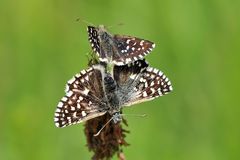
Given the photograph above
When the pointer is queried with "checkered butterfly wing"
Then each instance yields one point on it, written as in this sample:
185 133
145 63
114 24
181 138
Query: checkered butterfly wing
94 39
84 94
139 83
131 48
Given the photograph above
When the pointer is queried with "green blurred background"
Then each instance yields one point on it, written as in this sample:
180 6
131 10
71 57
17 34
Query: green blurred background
197 47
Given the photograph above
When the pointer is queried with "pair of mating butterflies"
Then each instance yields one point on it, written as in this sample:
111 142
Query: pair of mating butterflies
94 91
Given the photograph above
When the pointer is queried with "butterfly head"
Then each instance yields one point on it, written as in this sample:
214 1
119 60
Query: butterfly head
103 34
117 117
109 83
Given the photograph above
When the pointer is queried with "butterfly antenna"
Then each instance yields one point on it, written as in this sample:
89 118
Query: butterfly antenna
135 115
95 135
118 24
84 21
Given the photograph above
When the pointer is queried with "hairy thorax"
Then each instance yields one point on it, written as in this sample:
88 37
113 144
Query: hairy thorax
107 44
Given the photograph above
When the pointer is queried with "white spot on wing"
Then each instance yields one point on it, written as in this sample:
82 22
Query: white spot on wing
80 98
77 75
86 91
72 108
146 84
152 83
169 83
83 71
145 94
155 70
165 89
133 76
82 80
58 110
84 113
128 60
118 63
153 90
87 78
159 92
152 76
160 73
153 45
75 114
60 104
142 80
103 59
89 69
64 99
69 94
57 124
78 106
71 80
66 88
149 69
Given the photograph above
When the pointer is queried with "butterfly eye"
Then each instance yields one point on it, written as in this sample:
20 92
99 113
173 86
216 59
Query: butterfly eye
109 83
108 79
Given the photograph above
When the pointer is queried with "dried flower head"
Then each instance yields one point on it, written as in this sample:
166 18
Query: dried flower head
109 141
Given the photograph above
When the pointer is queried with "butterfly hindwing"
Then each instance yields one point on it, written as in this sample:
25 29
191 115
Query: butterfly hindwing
131 48
139 83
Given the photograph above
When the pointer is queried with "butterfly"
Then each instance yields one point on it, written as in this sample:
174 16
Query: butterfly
94 92
117 49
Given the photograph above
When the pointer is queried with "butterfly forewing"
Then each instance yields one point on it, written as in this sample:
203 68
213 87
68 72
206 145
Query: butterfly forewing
129 73
93 39
84 96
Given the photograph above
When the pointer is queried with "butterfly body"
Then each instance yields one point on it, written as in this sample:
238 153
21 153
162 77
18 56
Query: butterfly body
117 49
107 45
112 97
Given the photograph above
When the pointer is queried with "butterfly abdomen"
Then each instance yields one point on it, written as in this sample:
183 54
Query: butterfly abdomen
111 93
